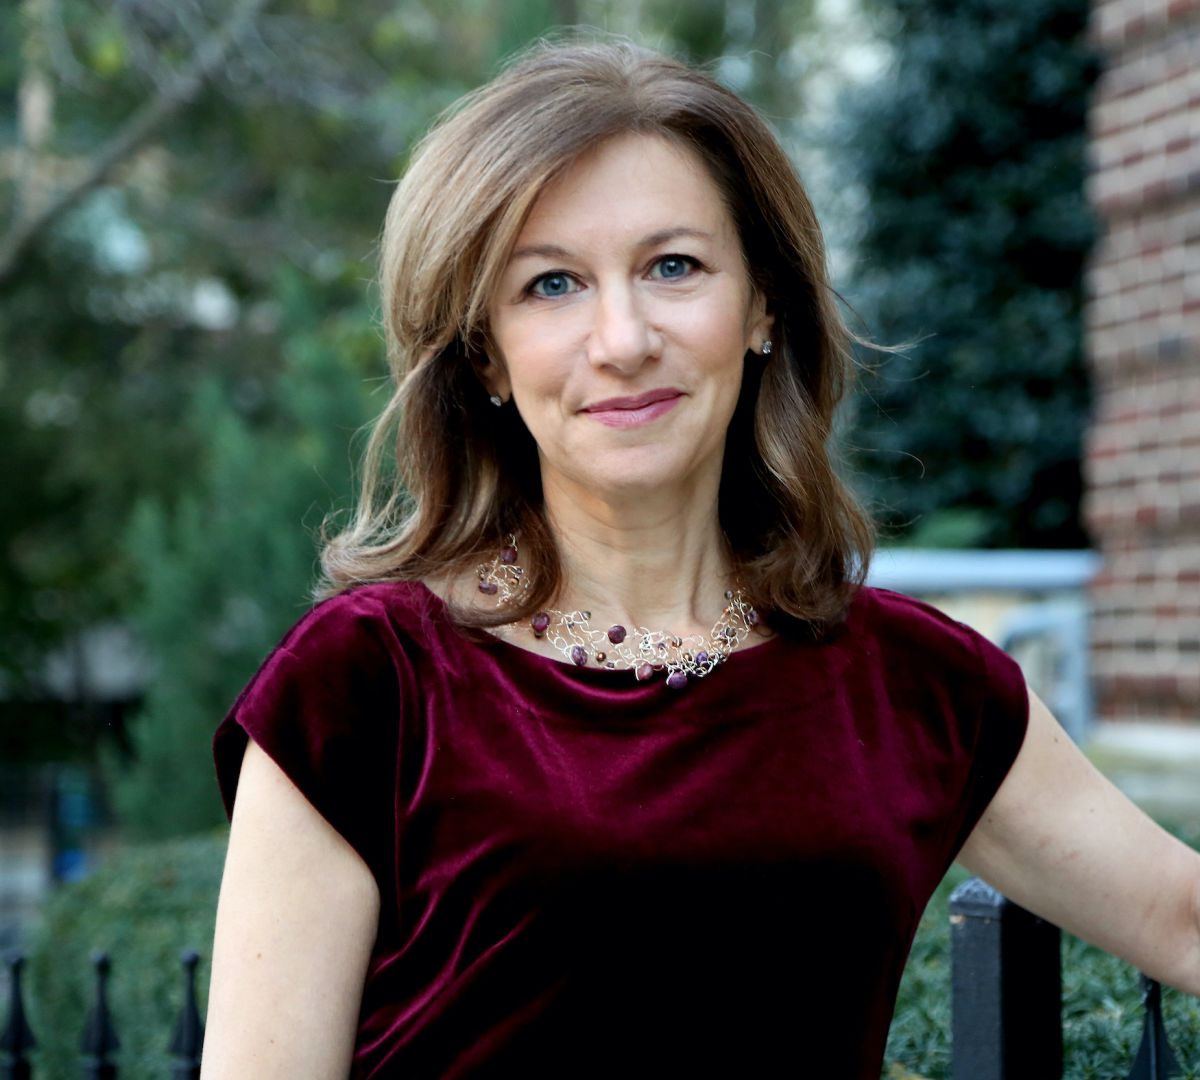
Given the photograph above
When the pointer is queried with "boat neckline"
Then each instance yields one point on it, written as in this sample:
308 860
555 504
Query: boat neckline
591 670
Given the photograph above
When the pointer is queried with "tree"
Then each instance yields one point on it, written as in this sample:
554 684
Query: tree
970 155
141 257
225 568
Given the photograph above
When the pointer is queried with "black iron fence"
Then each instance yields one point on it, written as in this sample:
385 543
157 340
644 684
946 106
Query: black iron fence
1006 984
1006 981
100 1043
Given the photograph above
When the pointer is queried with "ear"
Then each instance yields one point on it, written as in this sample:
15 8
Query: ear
760 323
492 375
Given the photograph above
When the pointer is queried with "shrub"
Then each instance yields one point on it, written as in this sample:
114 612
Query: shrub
143 906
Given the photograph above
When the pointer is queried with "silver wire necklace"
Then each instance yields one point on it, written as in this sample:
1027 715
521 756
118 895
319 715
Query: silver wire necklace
647 652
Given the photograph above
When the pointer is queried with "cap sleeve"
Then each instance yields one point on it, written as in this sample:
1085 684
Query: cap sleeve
1001 719
324 706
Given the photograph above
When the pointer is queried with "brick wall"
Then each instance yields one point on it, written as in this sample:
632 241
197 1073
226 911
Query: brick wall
1143 341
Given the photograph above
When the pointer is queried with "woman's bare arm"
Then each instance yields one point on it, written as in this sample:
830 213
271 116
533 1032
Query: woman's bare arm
1060 840
296 921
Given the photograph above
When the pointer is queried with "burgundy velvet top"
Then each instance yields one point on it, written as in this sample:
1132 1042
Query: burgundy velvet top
586 876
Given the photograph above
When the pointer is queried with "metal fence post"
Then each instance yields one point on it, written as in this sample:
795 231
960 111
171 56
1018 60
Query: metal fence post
1155 1059
17 1040
1006 975
99 1039
188 1039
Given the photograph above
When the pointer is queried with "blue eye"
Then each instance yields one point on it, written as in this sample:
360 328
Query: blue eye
556 284
676 266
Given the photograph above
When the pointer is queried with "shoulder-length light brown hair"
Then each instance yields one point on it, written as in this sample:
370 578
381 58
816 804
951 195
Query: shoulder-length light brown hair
447 476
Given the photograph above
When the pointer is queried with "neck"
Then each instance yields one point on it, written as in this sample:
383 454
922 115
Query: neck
656 563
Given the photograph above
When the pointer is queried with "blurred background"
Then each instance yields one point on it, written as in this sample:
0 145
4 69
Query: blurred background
190 197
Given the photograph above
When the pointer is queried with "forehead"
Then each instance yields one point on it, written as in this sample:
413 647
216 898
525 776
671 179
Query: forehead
630 183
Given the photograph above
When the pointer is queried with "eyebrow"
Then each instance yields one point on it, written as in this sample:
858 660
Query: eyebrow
553 251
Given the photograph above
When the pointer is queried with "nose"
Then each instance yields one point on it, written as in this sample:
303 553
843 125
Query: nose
621 336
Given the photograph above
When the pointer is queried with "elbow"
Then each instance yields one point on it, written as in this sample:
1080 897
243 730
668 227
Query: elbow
1187 978
1192 976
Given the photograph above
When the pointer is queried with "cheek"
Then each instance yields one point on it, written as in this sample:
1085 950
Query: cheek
524 352
544 349
722 319
720 340
536 374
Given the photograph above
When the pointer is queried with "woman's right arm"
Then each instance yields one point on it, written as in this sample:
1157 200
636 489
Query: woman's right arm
296 921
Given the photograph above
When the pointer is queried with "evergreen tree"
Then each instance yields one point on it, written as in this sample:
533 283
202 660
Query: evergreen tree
225 568
970 153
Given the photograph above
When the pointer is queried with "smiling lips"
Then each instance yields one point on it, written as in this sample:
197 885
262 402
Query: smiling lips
648 398
631 411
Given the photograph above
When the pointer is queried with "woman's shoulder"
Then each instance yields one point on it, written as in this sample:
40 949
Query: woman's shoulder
895 624
892 606
911 643
387 615
361 645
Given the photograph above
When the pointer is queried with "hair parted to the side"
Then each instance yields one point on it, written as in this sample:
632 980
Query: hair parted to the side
447 476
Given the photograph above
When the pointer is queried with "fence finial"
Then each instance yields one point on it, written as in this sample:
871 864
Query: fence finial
17 1039
1155 1060
188 1040
100 1041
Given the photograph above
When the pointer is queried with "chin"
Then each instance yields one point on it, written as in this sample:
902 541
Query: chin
645 479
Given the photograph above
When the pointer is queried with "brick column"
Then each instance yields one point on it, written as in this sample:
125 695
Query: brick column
1142 460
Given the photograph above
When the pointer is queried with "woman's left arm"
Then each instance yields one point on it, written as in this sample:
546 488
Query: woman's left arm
1062 841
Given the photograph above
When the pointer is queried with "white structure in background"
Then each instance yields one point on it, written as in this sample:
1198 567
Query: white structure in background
1033 604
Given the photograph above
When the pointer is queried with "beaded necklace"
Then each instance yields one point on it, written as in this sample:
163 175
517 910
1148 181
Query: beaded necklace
646 652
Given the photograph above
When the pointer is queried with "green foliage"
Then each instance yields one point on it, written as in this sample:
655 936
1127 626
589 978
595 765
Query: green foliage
970 153
225 567
168 274
143 906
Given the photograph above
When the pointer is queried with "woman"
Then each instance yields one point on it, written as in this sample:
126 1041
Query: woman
597 758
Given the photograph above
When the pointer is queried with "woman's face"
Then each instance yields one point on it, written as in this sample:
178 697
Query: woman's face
627 281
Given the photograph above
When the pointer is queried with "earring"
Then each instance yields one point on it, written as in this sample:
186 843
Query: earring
496 400
766 347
